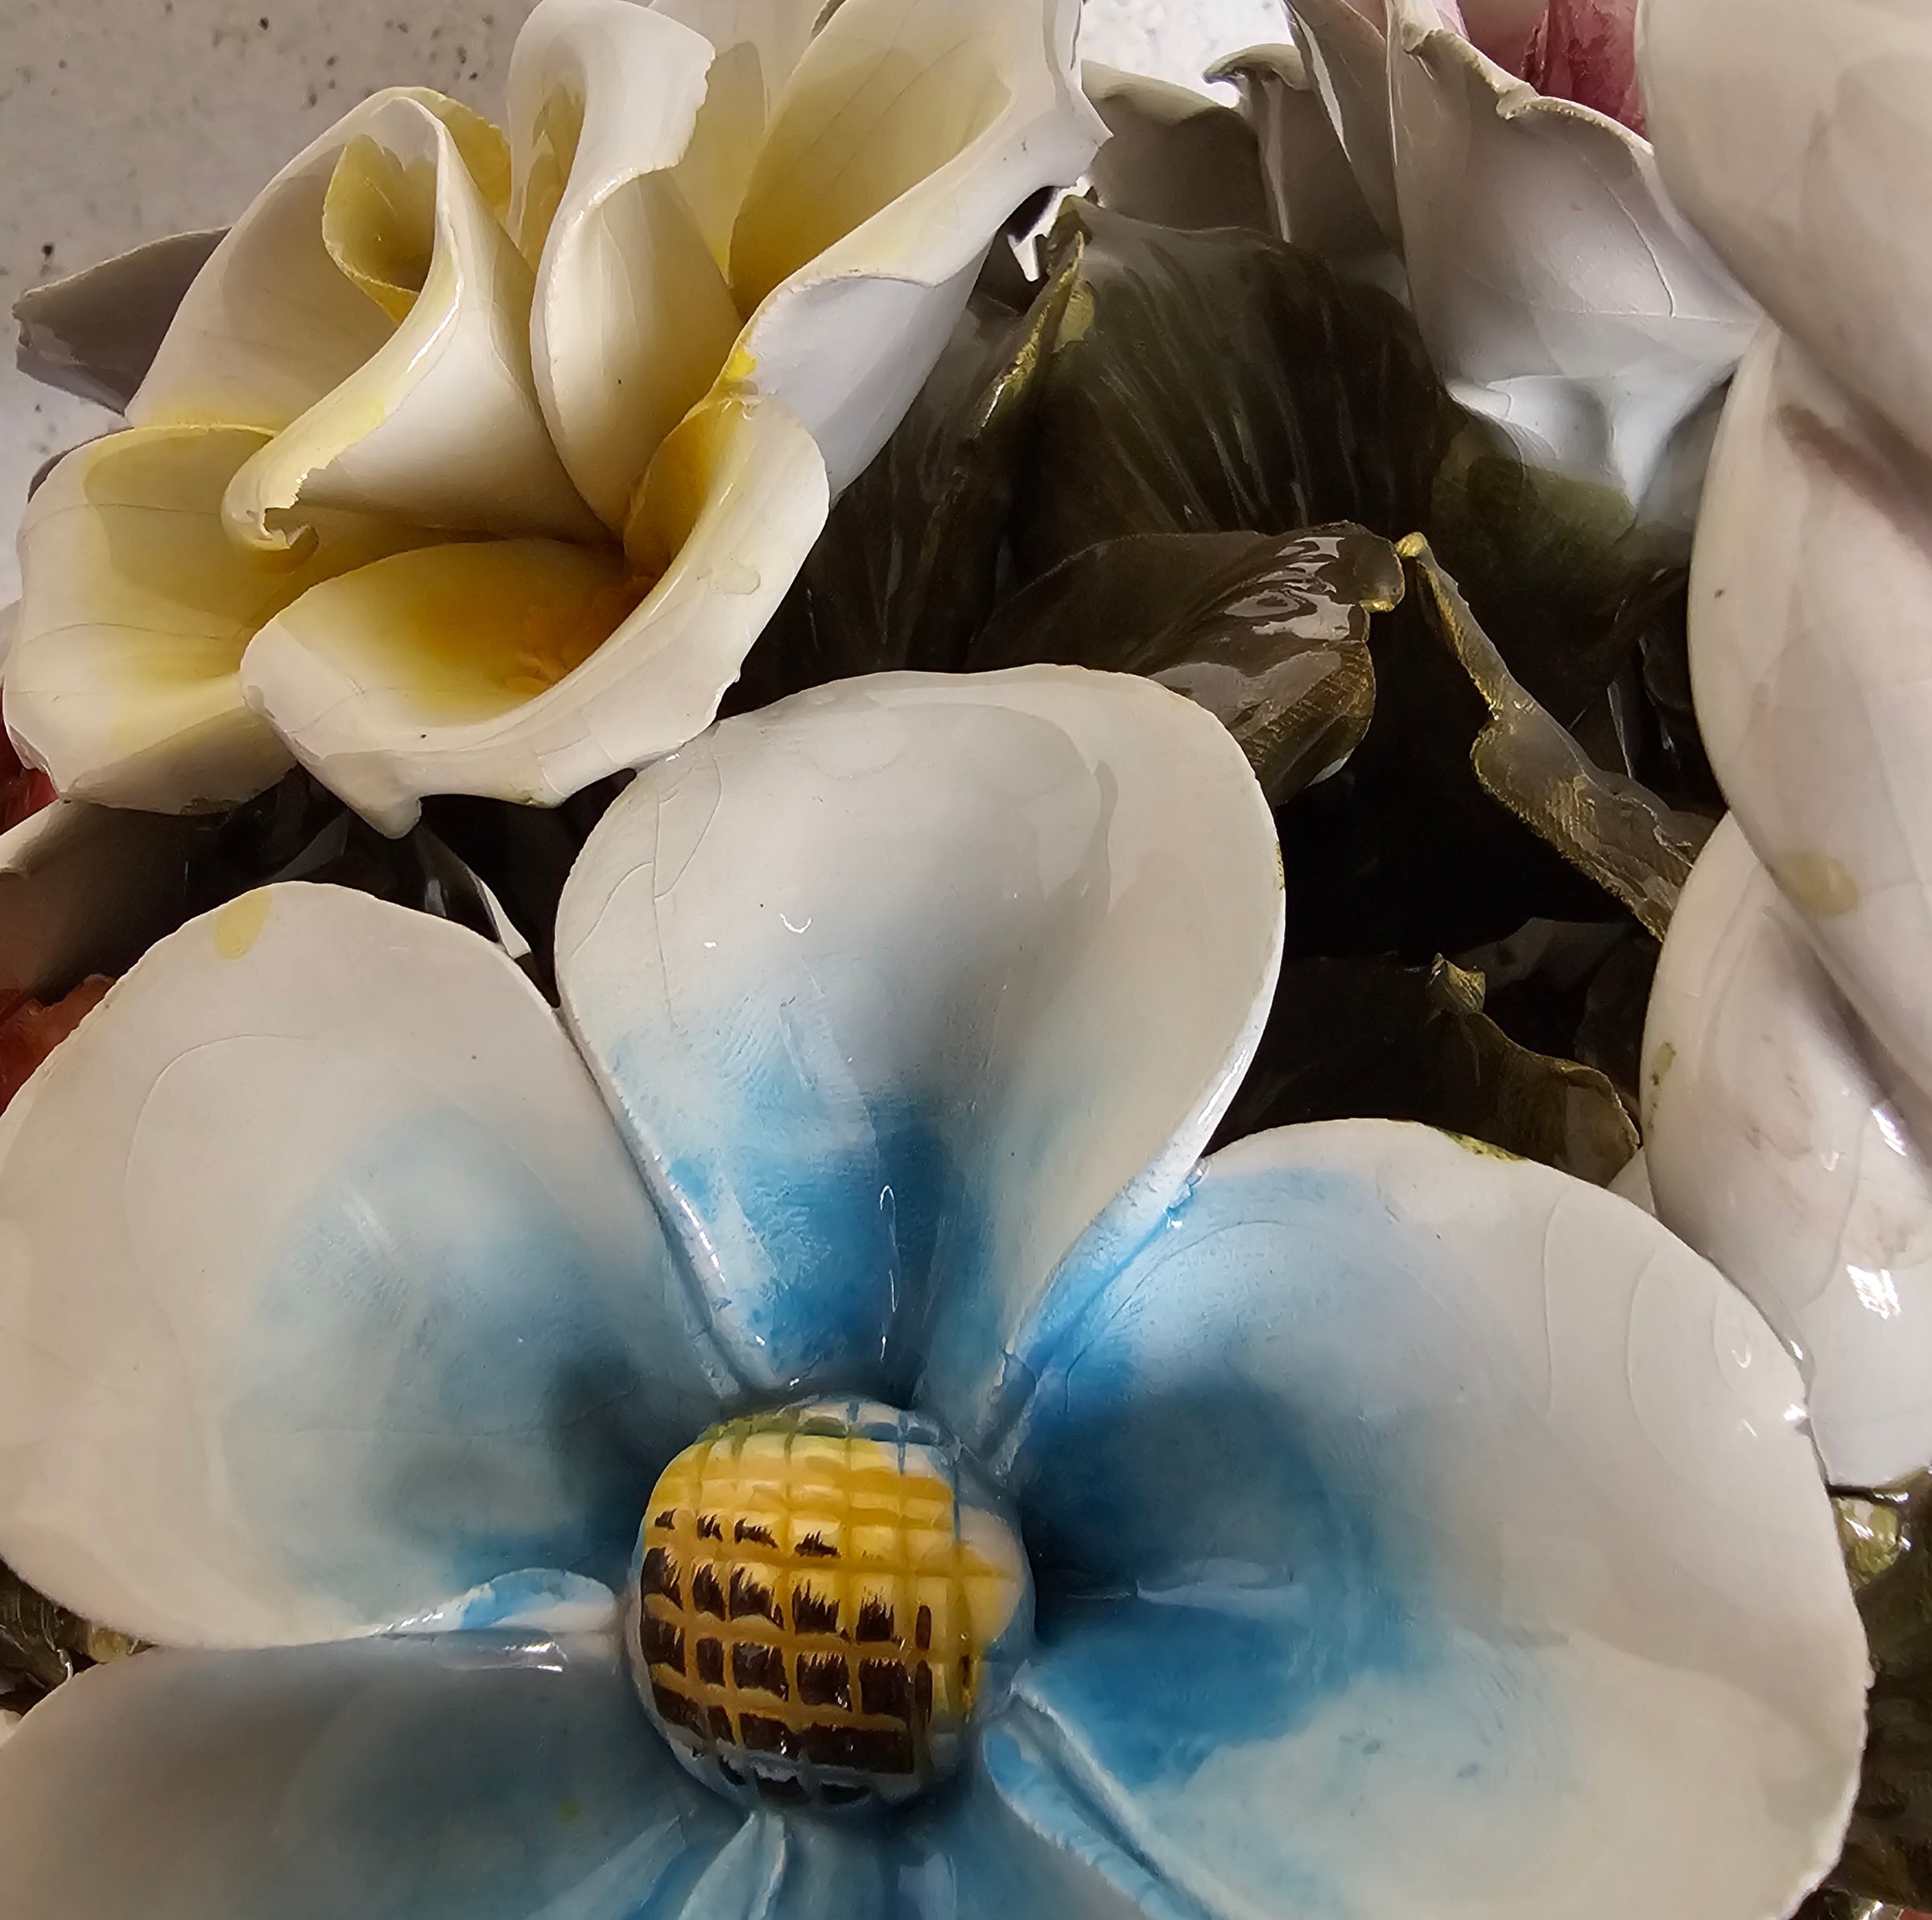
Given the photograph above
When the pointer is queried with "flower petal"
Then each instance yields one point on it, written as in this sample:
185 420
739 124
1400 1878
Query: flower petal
632 318
1793 132
908 132
464 1778
1314 198
1810 617
757 44
370 310
135 609
96 332
1346 56
525 669
1560 291
1774 1151
1404 1492
1173 155
84 890
327 1293
907 989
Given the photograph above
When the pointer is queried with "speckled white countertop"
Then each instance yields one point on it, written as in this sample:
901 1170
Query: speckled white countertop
121 120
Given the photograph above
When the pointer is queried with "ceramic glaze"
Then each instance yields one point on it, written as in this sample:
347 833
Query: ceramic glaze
1799 1162
817 1595
489 352
1561 293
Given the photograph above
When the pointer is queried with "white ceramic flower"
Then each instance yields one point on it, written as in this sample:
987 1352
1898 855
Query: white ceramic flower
475 461
1558 290
1790 1047
1414 1529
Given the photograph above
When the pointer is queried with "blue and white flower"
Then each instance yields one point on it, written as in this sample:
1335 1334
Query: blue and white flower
1412 1530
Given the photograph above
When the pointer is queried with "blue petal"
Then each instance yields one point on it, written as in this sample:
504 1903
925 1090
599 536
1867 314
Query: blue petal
450 1778
868 978
327 1291
1420 1531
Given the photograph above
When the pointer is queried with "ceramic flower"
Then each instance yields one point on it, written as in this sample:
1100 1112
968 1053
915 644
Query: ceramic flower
474 460
1012 1517
1790 1042
1498 151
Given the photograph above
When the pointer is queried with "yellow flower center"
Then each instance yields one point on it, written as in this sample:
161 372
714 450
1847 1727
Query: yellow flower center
819 1595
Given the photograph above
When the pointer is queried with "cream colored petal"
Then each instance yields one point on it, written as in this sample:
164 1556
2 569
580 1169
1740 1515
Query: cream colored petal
909 132
1314 198
440 424
1347 57
1560 290
758 43
271 325
632 318
1774 1151
1810 629
135 609
1795 134
1173 156
486 669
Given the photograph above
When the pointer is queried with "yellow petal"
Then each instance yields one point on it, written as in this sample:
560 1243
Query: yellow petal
758 43
135 611
525 669
907 133
370 310
632 317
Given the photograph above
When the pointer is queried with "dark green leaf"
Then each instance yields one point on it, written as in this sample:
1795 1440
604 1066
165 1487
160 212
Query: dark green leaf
1270 633
42 1644
1221 382
905 571
1610 827
1370 1039
1888 1542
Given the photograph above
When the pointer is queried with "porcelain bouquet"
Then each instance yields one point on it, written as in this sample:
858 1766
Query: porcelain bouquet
936 987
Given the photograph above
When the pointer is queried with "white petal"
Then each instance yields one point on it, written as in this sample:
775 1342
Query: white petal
910 130
1433 1536
1795 133
908 990
1314 198
327 1291
1347 57
431 416
1810 626
136 608
83 890
527 670
1558 290
757 43
1773 1152
1173 156
468 1778
632 318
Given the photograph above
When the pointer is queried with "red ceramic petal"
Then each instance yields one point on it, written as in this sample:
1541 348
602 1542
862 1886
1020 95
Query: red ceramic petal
1586 51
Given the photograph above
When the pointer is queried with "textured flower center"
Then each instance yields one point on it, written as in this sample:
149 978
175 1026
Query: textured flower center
823 1596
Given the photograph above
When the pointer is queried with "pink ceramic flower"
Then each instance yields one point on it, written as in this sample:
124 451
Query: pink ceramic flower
1579 49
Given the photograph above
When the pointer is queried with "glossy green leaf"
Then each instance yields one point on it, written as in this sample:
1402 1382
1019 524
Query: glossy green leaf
1371 1038
1888 1541
42 1644
1270 633
905 571
1221 382
1613 828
